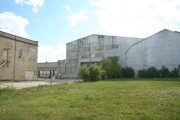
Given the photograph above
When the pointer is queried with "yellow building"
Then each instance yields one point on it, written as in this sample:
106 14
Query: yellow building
18 57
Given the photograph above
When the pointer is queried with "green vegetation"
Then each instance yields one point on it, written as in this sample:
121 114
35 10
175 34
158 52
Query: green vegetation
126 99
112 68
128 72
152 72
93 73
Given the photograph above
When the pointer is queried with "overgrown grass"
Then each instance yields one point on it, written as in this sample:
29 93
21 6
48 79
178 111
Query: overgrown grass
113 99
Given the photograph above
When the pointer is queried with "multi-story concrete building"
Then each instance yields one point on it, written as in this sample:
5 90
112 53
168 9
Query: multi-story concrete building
47 69
162 48
18 57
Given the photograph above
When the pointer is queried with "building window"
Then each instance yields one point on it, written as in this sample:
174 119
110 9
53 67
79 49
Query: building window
32 54
21 52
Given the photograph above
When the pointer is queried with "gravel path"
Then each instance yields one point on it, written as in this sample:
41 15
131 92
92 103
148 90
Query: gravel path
26 84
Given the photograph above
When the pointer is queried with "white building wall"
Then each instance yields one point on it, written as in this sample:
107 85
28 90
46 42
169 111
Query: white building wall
78 52
162 48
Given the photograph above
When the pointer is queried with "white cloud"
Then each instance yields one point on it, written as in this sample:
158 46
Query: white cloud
13 24
67 7
138 18
34 3
77 17
51 53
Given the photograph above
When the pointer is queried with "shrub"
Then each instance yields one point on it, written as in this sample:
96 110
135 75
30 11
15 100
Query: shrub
175 73
152 72
142 73
164 72
128 72
96 72
83 72
93 73
112 68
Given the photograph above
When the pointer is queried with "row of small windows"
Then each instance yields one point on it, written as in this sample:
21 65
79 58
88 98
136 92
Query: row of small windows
97 48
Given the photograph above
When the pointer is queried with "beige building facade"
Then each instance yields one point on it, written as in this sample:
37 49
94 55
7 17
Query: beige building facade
18 57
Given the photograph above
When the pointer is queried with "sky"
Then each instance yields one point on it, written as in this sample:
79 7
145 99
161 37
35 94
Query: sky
53 23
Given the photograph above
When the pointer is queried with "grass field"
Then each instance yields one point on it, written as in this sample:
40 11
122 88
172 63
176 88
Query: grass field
135 99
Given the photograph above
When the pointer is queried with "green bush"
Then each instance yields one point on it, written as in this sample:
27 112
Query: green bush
112 68
83 73
142 73
128 72
174 73
152 72
93 73
164 72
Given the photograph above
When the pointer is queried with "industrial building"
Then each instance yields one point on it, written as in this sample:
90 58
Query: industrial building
47 69
162 48
18 57
91 49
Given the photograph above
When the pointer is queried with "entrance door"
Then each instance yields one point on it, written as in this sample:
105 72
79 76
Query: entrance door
29 75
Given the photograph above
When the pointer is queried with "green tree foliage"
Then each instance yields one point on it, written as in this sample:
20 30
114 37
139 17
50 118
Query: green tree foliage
152 72
175 73
128 72
142 73
96 72
164 72
93 73
83 73
112 68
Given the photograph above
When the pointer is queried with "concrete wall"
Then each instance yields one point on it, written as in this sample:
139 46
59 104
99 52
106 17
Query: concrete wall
25 53
47 69
162 48
93 48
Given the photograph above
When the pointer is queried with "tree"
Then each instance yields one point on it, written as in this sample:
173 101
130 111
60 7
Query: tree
93 73
112 68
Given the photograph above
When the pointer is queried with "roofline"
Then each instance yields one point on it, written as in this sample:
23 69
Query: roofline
103 35
46 62
146 39
16 38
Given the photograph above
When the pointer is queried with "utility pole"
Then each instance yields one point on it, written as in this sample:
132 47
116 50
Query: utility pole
90 53
14 59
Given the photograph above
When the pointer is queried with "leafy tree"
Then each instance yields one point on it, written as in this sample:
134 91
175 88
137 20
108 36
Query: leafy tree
112 68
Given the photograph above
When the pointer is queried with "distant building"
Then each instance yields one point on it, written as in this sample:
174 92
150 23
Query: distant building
162 48
18 57
47 69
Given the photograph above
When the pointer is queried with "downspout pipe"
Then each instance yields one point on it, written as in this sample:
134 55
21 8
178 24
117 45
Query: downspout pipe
14 70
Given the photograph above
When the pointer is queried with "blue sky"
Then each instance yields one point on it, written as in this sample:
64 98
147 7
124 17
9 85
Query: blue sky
53 23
